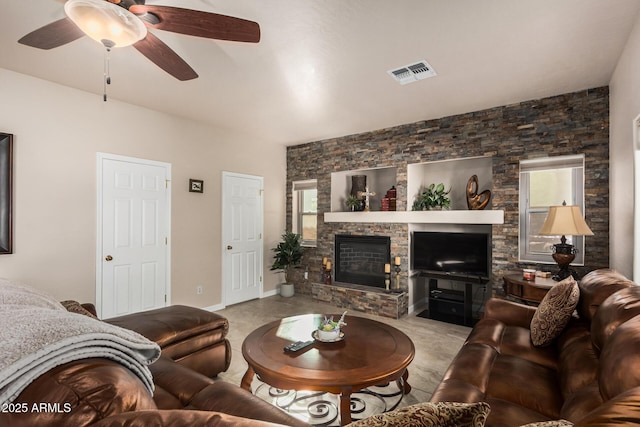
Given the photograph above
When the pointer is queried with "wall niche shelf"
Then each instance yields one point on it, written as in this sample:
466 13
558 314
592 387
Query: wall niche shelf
453 173
419 217
378 179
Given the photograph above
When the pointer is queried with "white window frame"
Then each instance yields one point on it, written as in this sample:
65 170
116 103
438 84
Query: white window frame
297 206
548 163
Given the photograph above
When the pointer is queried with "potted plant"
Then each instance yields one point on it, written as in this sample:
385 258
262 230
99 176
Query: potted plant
434 196
287 255
354 203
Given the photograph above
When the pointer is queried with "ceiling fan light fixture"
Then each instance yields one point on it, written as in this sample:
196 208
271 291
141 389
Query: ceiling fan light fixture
108 24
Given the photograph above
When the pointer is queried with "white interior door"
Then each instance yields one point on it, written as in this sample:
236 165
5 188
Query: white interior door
242 219
133 235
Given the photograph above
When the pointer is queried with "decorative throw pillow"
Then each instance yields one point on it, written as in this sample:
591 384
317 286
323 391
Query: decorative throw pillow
76 307
554 312
442 414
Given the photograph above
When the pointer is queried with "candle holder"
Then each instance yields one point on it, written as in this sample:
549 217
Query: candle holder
327 276
323 269
397 269
387 281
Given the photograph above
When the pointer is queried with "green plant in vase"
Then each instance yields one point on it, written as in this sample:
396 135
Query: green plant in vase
354 203
288 254
433 197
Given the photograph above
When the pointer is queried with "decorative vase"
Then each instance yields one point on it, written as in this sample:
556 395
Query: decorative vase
358 184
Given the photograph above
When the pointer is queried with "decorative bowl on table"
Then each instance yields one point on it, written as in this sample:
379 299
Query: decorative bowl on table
329 330
332 335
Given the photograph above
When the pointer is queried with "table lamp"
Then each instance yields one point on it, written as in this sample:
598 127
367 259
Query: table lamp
561 221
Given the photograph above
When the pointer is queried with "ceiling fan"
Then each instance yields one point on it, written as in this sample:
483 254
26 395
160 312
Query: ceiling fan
118 23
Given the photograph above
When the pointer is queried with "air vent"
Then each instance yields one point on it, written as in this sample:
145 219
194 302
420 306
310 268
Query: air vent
412 73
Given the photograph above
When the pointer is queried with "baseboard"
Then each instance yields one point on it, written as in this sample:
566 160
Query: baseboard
270 293
418 305
215 307
221 306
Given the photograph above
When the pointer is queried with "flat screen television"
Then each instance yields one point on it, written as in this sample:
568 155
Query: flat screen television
463 255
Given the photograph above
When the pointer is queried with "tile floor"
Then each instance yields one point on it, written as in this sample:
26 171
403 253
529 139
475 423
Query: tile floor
436 342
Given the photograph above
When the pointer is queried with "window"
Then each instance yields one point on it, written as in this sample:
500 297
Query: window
305 211
543 183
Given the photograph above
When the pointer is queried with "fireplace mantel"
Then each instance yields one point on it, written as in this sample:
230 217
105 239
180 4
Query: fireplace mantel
420 217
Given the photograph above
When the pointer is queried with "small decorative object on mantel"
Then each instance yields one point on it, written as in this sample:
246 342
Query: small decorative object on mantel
327 273
397 268
366 194
432 198
358 185
389 200
323 270
354 203
196 186
476 201
387 277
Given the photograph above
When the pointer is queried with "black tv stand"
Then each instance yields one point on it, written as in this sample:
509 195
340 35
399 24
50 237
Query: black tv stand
449 305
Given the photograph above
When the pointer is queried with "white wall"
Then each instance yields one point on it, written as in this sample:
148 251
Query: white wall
57 132
624 107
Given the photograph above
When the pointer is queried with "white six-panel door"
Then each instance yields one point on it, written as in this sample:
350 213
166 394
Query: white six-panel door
133 227
241 237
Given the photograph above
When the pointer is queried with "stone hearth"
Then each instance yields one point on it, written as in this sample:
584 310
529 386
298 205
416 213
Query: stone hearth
364 299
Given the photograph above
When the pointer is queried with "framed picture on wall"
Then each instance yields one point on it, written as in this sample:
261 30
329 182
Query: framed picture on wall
196 186
6 193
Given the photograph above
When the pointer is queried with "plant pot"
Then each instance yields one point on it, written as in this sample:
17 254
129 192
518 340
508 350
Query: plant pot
286 290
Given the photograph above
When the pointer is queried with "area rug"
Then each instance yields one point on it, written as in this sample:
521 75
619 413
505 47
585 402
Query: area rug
322 409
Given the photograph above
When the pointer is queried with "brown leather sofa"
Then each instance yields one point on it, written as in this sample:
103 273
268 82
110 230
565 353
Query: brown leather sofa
100 392
589 376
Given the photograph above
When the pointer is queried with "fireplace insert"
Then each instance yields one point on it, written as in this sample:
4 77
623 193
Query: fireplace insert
361 259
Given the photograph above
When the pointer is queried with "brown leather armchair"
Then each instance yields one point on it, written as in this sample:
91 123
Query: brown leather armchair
101 392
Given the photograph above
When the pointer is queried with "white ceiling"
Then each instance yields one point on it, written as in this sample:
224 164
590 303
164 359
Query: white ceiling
320 69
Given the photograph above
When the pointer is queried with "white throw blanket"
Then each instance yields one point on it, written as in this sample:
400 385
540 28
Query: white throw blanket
37 334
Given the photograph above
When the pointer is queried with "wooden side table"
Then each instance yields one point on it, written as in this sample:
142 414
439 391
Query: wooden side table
527 290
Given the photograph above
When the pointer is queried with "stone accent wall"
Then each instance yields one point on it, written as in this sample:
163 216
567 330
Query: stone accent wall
575 123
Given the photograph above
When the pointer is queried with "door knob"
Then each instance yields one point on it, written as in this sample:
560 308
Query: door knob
108 258
229 247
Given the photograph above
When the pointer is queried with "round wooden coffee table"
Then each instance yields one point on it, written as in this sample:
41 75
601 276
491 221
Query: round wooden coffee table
371 353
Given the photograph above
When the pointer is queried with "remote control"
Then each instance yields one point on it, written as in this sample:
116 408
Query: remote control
298 345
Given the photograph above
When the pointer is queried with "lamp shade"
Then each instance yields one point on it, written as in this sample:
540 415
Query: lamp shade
565 221
105 22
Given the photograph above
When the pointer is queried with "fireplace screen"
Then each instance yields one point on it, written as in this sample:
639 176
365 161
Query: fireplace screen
361 259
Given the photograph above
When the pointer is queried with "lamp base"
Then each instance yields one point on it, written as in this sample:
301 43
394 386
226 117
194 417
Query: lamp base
563 260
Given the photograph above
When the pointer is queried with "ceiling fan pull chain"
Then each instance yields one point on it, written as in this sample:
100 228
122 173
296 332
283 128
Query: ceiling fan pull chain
107 77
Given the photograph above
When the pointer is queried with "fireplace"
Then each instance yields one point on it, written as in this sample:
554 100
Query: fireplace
361 259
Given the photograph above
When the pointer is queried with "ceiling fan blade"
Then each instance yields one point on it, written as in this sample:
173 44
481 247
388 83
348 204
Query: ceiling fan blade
164 57
52 35
198 23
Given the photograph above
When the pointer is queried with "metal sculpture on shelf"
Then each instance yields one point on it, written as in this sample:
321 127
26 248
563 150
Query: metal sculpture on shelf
476 201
